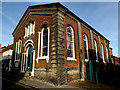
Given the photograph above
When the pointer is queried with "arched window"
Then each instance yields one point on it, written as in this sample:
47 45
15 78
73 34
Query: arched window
19 45
45 41
70 43
30 28
85 47
96 55
102 52
107 54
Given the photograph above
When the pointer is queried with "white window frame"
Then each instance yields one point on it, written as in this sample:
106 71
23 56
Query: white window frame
19 49
39 33
25 32
102 53
95 43
45 57
107 55
71 58
16 51
31 28
28 32
86 39
21 45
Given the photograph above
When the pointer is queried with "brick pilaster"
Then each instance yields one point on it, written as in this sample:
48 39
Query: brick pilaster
81 68
57 53
99 45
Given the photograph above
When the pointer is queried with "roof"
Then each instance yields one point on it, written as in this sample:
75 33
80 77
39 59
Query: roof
110 48
115 56
57 4
8 47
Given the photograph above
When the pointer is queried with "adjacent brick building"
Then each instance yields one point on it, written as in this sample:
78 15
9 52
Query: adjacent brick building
115 60
7 53
51 42
1 54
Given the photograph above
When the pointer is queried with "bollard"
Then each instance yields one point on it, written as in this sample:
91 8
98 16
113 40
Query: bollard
96 78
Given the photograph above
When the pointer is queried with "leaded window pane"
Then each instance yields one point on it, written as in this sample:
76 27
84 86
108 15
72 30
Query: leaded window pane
95 49
70 45
69 41
69 53
44 53
69 37
69 29
102 51
85 46
45 42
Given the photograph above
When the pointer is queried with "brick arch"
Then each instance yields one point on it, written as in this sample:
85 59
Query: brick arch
88 43
43 23
68 24
66 30
27 43
88 39
29 21
95 40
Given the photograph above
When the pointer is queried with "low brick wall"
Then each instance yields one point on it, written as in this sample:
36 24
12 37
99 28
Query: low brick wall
50 75
72 74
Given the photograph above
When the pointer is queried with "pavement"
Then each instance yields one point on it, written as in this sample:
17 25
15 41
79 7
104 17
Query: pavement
27 82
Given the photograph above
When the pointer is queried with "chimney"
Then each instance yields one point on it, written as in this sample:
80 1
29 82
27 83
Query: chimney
111 51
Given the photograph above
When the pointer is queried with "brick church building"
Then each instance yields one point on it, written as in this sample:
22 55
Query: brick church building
51 42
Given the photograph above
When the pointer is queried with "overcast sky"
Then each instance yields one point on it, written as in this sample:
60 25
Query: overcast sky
103 16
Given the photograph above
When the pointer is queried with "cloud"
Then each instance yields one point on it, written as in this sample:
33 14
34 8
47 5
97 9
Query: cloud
8 17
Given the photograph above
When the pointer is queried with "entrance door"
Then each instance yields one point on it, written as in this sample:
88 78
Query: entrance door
30 58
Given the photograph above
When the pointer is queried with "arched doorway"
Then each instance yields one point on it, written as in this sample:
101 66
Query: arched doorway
29 58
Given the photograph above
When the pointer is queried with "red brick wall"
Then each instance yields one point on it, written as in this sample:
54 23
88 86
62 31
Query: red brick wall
111 51
95 37
87 32
103 48
107 45
116 60
70 63
39 21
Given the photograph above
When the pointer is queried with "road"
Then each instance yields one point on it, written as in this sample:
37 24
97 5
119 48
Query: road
11 85
11 82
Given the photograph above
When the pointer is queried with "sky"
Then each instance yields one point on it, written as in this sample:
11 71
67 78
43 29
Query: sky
102 16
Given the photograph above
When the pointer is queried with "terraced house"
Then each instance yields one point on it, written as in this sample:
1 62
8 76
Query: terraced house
52 43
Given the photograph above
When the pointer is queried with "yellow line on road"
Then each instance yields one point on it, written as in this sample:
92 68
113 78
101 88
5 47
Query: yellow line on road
19 84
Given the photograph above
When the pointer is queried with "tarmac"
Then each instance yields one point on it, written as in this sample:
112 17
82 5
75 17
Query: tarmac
39 84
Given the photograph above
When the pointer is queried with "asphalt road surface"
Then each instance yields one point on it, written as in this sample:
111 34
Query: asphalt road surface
11 85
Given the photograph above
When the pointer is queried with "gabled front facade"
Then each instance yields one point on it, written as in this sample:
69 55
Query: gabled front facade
50 42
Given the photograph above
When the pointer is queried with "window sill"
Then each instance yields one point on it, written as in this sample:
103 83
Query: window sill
17 60
97 61
43 58
72 59
104 62
86 60
46 58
